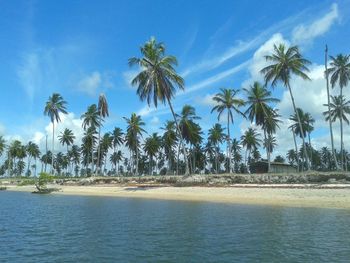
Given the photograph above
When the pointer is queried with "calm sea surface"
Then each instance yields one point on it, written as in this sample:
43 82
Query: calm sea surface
51 228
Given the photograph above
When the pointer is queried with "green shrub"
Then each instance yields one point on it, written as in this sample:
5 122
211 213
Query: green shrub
25 182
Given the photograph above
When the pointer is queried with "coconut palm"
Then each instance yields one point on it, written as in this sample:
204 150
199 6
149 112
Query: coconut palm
169 139
339 110
259 111
133 132
103 113
115 158
285 63
91 119
340 74
106 144
215 137
118 139
66 138
329 109
227 101
32 152
54 106
236 152
158 80
87 148
250 140
151 148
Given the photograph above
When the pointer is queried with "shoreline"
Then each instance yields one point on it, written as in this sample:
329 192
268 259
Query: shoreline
297 195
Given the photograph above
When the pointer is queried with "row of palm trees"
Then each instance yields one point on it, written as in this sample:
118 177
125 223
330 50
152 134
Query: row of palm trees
182 141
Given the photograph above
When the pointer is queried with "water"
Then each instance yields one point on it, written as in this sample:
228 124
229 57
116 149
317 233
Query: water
51 228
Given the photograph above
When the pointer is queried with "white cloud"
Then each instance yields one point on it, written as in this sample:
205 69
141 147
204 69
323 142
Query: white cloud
207 100
2 129
306 33
94 82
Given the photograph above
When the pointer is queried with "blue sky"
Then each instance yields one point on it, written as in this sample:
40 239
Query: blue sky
81 48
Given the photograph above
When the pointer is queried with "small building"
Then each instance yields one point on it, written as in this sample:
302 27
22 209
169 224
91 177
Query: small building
275 167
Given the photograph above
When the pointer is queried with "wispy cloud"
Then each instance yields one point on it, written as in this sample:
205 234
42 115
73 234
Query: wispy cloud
307 33
213 79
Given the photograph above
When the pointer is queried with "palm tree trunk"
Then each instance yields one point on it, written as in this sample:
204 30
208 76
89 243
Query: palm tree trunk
310 149
92 159
296 149
187 171
137 160
177 163
53 143
228 143
216 160
267 152
98 168
150 165
300 127
329 111
341 141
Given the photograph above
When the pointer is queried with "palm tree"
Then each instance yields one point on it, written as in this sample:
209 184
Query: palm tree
158 80
151 148
226 101
87 148
339 109
340 74
329 109
236 151
169 139
215 137
118 139
106 144
103 113
91 120
250 140
2 145
32 152
54 106
134 130
258 99
306 124
285 63
66 138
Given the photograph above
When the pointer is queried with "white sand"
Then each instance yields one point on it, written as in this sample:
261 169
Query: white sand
240 194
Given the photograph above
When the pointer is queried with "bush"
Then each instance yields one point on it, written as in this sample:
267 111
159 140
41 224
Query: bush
25 182
44 178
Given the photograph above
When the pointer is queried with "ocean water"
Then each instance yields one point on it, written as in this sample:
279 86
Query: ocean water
53 228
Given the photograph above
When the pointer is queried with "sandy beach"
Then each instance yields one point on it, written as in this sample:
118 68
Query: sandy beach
336 196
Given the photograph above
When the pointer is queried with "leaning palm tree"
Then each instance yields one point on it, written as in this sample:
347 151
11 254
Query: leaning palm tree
103 113
339 109
340 74
158 80
54 106
227 101
285 63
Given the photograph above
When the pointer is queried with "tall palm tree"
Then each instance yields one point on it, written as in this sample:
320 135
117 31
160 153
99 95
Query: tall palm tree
151 148
103 113
115 158
133 132
339 109
106 144
158 80
259 110
87 148
250 140
227 101
91 120
340 74
54 106
66 138
32 152
118 139
306 124
236 151
169 139
329 109
215 137
285 63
